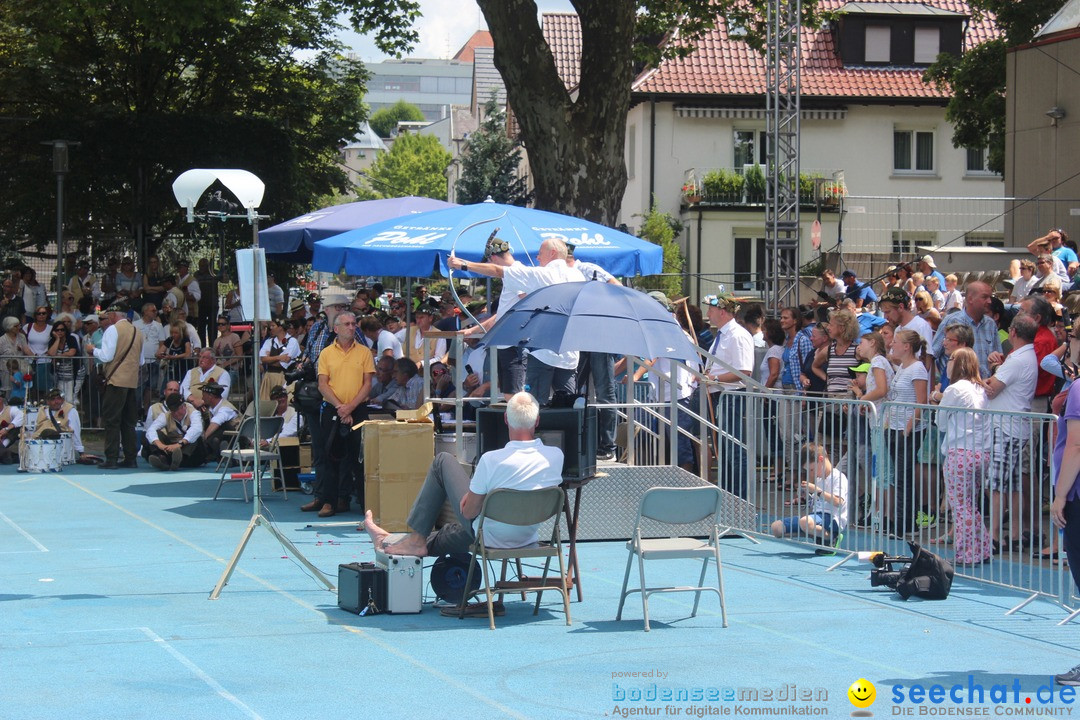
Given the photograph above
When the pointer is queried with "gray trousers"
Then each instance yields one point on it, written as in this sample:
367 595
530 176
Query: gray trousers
446 481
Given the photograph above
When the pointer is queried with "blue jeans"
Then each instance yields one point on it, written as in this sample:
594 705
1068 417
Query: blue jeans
599 369
542 379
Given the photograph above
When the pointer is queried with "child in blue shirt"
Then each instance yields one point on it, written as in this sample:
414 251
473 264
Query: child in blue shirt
19 383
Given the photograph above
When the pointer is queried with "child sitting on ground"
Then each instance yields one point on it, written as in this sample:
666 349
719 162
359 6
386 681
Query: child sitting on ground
828 511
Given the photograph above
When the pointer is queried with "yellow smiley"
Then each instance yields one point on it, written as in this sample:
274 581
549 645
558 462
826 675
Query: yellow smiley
862 693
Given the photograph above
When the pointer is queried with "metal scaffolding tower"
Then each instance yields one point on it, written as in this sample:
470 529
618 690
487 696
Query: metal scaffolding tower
783 64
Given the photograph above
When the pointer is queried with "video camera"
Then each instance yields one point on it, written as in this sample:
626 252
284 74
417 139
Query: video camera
884 572
923 575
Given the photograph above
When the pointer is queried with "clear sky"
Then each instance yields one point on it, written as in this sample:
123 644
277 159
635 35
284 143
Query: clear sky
444 28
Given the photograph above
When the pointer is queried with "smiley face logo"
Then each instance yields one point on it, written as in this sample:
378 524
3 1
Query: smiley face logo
862 693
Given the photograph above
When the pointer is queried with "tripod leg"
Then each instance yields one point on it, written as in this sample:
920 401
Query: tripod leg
235 558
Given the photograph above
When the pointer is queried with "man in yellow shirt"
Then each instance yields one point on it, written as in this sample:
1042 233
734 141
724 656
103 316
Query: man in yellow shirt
345 369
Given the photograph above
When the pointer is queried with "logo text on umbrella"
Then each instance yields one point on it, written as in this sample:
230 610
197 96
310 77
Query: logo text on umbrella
397 237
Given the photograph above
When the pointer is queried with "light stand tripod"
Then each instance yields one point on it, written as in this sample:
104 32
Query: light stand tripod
248 189
257 517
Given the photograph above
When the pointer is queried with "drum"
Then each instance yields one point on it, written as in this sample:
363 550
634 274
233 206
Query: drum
67 448
42 456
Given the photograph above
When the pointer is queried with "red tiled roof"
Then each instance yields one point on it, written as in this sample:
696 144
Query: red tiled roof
727 66
479 39
563 34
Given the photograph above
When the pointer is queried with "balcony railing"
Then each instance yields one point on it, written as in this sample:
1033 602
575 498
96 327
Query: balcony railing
745 187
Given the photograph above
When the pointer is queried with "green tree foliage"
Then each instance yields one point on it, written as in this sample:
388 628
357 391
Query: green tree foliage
575 137
385 120
415 165
661 229
491 163
976 78
155 87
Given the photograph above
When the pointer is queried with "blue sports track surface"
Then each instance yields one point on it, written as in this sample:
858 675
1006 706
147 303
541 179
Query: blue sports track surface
104 613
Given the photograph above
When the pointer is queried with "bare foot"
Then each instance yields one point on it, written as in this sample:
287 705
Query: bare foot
377 533
414 544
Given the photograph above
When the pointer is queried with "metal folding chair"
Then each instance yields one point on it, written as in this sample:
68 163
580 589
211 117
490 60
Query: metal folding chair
519 507
266 409
676 506
269 427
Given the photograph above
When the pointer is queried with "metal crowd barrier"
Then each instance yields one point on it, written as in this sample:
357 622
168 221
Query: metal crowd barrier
972 486
80 379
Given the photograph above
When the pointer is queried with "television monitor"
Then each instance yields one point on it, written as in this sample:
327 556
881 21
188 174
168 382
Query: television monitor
573 430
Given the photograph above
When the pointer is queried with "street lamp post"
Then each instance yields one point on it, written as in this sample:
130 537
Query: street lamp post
60 167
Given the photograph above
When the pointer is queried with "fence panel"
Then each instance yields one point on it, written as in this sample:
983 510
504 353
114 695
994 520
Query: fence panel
81 380
972 486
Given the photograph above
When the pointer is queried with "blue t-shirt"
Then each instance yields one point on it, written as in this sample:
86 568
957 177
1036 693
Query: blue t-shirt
1066 255
860 291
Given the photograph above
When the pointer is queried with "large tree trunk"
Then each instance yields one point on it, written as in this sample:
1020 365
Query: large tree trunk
574 141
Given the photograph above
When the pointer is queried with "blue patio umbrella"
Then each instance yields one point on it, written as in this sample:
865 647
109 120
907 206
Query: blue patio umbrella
418 244
593 317
293 239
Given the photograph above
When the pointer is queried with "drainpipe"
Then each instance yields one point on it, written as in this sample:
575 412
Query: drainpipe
697 273
652 149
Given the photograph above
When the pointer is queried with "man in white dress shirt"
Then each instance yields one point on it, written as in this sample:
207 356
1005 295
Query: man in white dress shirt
58 417
206 371
510 360
176 436
122 355
734 346
219 415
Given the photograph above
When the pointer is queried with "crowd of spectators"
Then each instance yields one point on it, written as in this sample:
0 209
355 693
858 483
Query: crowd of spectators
965 350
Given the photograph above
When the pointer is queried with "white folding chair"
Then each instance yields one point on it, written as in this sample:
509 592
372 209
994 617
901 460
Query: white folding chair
676 506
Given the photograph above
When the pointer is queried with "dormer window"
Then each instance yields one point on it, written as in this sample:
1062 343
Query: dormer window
897 34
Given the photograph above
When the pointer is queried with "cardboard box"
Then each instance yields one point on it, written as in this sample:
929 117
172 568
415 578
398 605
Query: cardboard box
420 414
397 456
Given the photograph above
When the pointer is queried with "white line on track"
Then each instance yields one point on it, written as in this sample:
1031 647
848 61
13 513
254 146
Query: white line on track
199 673
28 536
444 677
